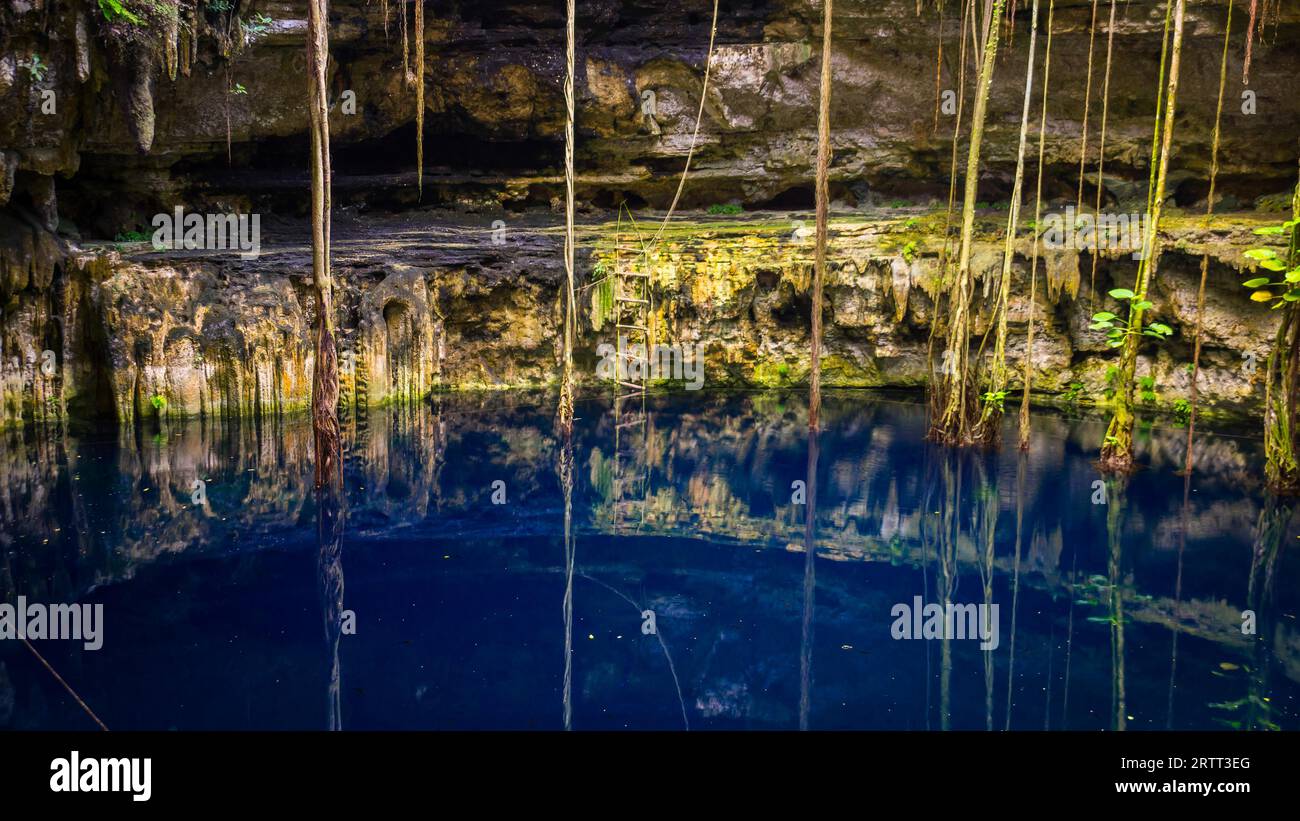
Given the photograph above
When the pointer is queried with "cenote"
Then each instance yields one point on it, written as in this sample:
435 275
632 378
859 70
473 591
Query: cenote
451 565
926 365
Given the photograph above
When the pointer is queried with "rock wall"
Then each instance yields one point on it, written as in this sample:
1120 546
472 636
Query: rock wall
426 305
136 128
201 113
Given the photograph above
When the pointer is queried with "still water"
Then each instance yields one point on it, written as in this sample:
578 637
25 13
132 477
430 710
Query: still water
685 596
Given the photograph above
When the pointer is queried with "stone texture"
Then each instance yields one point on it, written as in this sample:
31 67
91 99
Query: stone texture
427 303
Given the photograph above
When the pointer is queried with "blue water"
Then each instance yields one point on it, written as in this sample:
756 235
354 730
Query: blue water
229 613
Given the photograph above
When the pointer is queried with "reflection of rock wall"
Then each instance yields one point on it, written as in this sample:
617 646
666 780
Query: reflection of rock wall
77 513
424 305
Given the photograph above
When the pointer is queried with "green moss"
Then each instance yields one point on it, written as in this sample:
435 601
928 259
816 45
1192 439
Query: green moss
772 375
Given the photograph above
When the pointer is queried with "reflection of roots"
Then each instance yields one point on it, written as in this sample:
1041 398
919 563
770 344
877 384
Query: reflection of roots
329 571
565 468
658 635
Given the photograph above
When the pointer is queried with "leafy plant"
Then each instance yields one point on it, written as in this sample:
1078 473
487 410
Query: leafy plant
1117 332
158 401
1112 381
994 398
131 236
602 295
729 208
1266 289
1147 389
909 250
36 68
1073 393
114 10
238 88
257 25
1182 410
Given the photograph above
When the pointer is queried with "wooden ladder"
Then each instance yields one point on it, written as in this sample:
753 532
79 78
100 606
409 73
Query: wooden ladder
634 348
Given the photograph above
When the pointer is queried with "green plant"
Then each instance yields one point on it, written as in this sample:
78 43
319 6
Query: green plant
1147 389
159 402
220 6
257 25
1264 289
1112 381
1182 410
1073 393
114 10
994 398
36 68
131 236
602 295
726 208
1117 332
909 250
238 88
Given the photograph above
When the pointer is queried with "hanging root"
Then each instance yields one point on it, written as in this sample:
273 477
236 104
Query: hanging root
1250 41
325 377
419 98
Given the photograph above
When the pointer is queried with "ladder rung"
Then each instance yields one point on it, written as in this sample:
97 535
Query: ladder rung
631 424
633 274
631 385
634 299
633 327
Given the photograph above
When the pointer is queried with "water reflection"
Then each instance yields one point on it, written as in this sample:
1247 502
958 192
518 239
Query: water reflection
1127 614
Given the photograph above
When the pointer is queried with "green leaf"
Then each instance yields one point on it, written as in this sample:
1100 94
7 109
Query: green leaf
1103 316
1273 265
1256 282
1271 230
1160 328
113 9
1122 293
1142 306
1261 253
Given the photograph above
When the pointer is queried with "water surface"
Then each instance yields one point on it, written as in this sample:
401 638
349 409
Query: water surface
224 607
